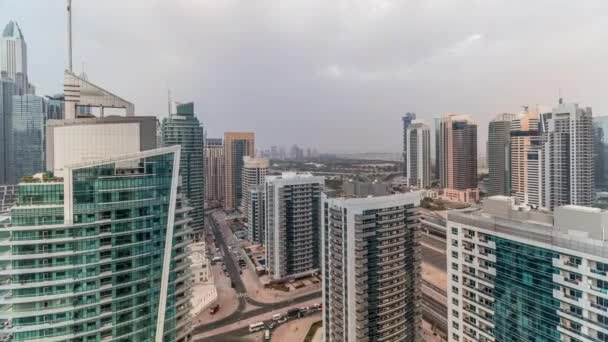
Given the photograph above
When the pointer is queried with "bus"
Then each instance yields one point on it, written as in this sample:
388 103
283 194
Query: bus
256 326
267 335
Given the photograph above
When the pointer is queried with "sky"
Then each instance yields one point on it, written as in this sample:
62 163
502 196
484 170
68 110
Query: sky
335 75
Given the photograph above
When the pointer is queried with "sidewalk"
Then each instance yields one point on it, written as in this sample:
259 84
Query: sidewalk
227 298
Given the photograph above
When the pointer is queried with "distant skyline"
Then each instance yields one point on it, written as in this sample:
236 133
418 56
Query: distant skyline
336 75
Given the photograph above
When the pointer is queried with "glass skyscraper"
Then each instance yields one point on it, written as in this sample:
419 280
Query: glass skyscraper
28 125
184 129
7 90
98 255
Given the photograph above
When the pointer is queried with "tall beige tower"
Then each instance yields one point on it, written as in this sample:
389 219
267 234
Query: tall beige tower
215 172
236 146
524 129
254 171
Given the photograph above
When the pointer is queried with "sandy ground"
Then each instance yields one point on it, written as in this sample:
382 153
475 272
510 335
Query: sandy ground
256 291
434 276
226 298
318 335
295 331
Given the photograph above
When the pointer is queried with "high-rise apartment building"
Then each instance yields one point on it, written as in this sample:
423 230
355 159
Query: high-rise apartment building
567 156
183 128
100 254
406 121
28 134
371 269
523 137
236 146
293 224
600 135
13 58
7 90
437 167
458 158
418 155
524 275
254 171
256 215
499 155
215 171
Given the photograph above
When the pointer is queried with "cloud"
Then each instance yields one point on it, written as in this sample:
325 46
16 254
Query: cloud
336 75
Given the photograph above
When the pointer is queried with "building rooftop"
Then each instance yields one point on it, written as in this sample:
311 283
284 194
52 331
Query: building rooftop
12 30
574 227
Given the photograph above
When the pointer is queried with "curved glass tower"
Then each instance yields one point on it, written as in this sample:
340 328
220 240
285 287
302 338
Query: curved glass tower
98 255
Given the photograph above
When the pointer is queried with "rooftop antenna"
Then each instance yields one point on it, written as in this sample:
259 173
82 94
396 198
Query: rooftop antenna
69 9
169 101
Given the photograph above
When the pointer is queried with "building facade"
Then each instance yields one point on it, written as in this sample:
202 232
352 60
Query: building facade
600 135
184 129
371 269
458 158
256 219
568 156
13 58
293 224
100 254
28 134
254 172
418 155
90 139
215 171
7 168
523 136
236 146
499 155
526 275
406 122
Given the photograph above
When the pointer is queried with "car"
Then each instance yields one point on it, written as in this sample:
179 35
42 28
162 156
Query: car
214 309
271 325
317 306
282 320
276 317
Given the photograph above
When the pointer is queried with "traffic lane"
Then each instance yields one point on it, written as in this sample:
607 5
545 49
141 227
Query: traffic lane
316 296
231 267
433 257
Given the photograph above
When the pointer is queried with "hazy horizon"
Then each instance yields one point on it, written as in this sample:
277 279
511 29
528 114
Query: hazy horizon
336 75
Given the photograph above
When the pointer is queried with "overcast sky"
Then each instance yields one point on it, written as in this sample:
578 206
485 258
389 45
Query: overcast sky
337 74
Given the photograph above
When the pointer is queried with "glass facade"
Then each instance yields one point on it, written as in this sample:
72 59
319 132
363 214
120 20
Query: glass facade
525 309
96 276
185 130
28 126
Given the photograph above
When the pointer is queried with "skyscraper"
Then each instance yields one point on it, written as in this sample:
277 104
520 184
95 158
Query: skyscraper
437 168
418 155
256 215
524 134
28 134
600 134
526 275
7 168
13 58
406 121
499 155
568 156
56 107
236 146
215 165
100 254
458 158
371 269
293 224
254 171
184 129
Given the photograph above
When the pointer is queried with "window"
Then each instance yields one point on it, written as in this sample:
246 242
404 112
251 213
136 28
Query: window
454 231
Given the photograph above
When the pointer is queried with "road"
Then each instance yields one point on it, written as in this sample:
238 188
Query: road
233 272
